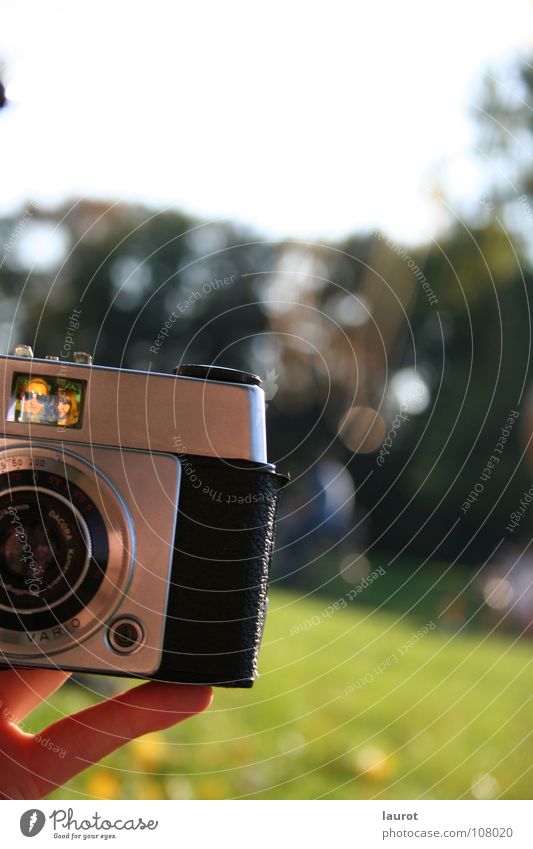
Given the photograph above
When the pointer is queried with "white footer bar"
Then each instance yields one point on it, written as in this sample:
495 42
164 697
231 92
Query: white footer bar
270 824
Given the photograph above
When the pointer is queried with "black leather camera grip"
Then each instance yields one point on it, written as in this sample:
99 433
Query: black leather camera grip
223 548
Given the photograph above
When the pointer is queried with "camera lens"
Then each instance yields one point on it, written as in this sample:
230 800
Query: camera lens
44 551
53 551
65 550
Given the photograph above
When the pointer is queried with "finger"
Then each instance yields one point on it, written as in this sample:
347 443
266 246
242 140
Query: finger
17 780
21 690
90 735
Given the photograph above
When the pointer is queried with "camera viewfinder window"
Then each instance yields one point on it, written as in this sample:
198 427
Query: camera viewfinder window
39 399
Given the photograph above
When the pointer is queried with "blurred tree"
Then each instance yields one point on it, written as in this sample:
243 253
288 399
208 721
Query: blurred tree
127 270
329 326
332 324
476 352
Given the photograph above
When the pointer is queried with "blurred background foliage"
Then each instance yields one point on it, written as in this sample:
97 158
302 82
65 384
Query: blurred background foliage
345 337
330 327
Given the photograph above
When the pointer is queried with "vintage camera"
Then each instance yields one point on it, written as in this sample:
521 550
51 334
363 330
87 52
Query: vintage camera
137 515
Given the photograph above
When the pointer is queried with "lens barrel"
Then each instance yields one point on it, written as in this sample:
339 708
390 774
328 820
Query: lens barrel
66 546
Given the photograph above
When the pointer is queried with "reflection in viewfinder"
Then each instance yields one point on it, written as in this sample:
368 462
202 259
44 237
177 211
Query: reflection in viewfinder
40 399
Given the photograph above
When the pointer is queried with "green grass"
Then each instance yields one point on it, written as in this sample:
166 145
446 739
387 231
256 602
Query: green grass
447 714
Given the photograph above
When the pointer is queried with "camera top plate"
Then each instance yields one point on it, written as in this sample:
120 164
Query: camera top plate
145 410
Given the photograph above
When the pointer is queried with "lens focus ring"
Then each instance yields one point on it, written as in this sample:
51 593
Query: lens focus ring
45 550
66 550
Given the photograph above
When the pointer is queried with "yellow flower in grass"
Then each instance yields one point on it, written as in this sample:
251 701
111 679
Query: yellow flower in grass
212 788
103 784
149 788
148 753
374 763
240 752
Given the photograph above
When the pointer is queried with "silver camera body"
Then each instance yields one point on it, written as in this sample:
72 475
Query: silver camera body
137 515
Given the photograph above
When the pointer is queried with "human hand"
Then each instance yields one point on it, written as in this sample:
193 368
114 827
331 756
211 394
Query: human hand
31 770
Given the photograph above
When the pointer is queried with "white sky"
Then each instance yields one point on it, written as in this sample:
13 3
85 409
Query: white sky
305 119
